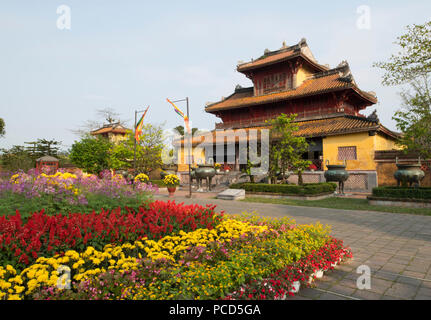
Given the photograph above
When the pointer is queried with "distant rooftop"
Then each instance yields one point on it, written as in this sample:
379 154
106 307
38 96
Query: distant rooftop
47 159
110 128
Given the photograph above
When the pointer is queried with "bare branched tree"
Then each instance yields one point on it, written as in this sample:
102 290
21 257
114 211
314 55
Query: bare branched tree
105 116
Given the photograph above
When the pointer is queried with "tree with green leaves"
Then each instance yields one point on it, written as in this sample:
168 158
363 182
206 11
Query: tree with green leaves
24 157
148 150
91 154
43 147
2 128
180 130
411 67
17 158
287 148
273 164
248 170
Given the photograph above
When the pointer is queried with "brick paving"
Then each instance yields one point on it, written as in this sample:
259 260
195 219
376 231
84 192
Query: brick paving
396 247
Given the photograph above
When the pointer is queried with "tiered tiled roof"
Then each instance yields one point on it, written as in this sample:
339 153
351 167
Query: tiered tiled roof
285 53
267 60
317 84
330 126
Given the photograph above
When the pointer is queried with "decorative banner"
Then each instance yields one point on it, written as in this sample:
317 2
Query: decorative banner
186 122
182 115
139 125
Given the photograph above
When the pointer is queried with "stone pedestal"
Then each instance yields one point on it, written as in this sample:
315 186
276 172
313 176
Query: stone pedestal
232 194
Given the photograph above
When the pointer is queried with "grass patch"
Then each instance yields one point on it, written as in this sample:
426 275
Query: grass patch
341 203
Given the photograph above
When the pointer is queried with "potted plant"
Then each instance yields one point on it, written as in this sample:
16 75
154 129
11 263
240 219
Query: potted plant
142 178
171 181
293 275
312 167
217 166
319 274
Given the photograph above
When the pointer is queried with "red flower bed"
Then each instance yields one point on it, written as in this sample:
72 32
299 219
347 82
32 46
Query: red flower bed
21 243
279 284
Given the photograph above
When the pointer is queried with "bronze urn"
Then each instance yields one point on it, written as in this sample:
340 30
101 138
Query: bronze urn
205 171
409 174
337 173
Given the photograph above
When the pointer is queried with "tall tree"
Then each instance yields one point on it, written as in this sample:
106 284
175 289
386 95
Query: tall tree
148 150
411 67
286 147
47 147
43 147
91 154
109 115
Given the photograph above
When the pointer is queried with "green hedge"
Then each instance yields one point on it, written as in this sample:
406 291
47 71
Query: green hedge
402 192
288 189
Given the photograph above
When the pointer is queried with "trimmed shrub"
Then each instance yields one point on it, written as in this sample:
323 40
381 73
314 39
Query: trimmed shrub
288 189
402 192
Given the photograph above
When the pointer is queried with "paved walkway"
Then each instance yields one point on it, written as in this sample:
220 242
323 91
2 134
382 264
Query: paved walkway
396 247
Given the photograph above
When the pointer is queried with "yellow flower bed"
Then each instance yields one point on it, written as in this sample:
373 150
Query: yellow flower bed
125 257
259 247
255 260
61 180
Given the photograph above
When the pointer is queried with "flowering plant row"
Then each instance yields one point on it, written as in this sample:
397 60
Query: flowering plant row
92 262
73 189
200 264
21 243
279 285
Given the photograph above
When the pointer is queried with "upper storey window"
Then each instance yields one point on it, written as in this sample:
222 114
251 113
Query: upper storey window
274 82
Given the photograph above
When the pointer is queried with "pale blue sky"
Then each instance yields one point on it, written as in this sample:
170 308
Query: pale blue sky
129 54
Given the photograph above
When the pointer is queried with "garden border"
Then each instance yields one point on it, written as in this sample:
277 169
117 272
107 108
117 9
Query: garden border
399 202
292 197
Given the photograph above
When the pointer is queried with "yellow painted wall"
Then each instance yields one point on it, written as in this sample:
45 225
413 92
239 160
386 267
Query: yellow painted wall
116 138
365 147
302 74
383 143
198 156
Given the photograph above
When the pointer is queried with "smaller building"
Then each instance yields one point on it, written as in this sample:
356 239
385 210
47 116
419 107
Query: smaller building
115 132
47 164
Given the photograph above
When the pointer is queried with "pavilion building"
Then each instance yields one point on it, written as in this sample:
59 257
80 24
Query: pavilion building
327 102
115 132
